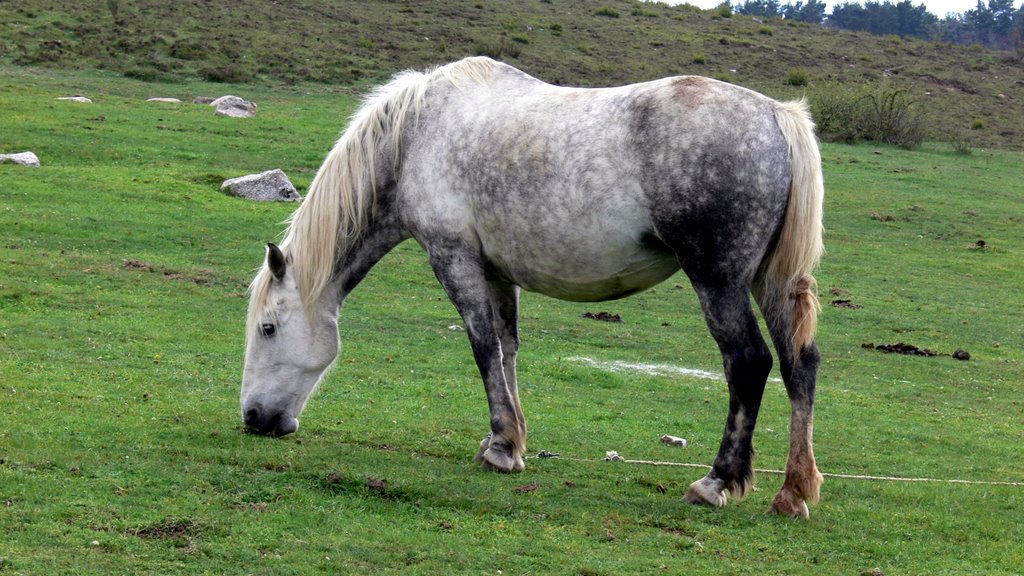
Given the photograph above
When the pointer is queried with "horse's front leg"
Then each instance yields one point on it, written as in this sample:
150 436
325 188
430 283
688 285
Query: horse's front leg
505 306
484 306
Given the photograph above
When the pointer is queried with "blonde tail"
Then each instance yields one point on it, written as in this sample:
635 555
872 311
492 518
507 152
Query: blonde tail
789 285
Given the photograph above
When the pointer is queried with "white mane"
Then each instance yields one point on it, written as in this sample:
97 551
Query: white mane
341 199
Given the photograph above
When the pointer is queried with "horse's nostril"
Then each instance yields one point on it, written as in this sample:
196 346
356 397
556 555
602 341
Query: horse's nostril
252 418
267 423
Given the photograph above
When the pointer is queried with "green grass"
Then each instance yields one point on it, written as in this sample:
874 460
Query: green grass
121 449
568 42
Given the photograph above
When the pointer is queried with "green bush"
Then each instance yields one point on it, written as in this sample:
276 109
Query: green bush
230 74
497 48
724 10
878 114
797 77
190 50
607 11
765 30
700 58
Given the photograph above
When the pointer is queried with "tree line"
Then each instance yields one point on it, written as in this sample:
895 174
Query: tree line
995 24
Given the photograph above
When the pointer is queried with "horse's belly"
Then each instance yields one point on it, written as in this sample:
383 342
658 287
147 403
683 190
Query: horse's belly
588 274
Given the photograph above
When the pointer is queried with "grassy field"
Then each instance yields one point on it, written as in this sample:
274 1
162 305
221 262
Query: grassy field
122 279
971 94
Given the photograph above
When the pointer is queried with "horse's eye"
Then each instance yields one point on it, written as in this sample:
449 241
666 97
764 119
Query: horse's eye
267 329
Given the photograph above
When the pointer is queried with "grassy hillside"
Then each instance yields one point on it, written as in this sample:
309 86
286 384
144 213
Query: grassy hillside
122 279
969 94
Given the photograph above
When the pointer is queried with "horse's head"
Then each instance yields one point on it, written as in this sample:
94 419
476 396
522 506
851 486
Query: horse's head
288 348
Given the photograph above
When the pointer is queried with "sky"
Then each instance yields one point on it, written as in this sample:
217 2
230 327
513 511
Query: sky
938 7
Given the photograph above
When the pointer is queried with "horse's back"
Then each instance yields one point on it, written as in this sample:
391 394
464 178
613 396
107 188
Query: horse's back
587 193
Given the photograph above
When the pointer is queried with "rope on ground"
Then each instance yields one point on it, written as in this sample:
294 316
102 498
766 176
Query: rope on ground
614 457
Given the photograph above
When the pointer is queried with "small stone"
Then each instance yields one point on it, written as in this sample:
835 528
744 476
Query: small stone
165 100
612 456
234 107
674 441
269 186
21 158
76 98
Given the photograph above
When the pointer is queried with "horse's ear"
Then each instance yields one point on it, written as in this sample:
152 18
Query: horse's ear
275 261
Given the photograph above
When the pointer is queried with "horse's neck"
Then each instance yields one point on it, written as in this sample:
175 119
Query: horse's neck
380 237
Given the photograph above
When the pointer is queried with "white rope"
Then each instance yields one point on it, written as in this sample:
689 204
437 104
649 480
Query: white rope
547 455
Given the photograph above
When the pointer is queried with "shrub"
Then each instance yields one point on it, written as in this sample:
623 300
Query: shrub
962 147
497 48
143 74
883 114
977 124
190 50
765 30
607 11
556 29
700 58
797 77
724 10
230 73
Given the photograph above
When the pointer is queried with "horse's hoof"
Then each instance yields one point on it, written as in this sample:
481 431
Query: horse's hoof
788 504
502 461
706 491
484 445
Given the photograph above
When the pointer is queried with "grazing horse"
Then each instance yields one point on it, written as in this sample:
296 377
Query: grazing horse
510 183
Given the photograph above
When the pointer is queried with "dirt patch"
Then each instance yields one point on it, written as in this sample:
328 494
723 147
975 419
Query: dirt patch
883 217
377 485
527 489
678 531
137 265
979 245
900 348
603 316
951 85
167 530
200 277
840 303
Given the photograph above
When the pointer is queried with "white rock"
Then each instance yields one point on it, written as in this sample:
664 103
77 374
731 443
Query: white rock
22 158
674 441
81 99
234 107
165 100
612 456
269 186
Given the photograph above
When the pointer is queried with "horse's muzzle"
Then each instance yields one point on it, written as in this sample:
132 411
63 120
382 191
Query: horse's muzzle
269 422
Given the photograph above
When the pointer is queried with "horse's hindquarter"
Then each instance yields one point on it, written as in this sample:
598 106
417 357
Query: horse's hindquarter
559 187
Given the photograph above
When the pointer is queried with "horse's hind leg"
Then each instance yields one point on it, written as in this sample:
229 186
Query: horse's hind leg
482 304
803 481
747 362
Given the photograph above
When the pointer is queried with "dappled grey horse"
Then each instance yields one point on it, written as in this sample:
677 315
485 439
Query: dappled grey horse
580 194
